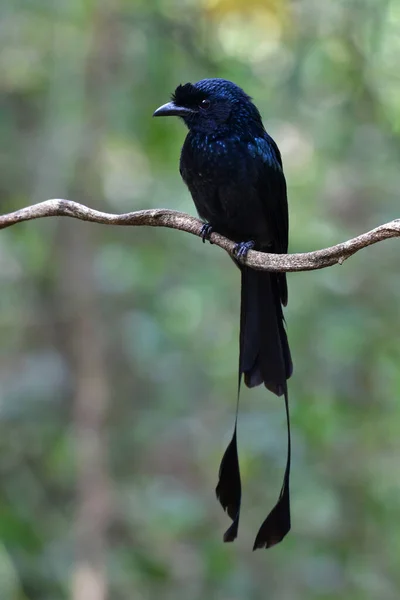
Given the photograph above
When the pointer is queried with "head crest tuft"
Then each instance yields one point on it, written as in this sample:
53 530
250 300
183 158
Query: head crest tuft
187 95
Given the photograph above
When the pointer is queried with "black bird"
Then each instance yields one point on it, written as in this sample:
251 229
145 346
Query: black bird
233 170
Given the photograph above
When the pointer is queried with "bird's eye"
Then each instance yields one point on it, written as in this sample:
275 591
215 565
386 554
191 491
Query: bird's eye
205 104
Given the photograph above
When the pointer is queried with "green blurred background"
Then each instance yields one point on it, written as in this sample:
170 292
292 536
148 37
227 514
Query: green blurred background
118 346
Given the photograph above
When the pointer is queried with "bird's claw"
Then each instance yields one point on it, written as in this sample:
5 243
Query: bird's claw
242 248
205 232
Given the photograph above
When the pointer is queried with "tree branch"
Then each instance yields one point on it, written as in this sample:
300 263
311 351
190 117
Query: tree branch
306 261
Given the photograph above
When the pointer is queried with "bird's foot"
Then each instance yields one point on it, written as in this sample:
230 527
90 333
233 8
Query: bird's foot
242 248
205 232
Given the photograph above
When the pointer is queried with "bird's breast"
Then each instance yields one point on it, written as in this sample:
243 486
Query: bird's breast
211 160
221 176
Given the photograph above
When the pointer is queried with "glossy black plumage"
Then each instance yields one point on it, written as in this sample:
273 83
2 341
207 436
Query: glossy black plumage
233 170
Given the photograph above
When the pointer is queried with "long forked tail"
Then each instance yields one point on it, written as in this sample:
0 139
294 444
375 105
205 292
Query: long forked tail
264 358
264 349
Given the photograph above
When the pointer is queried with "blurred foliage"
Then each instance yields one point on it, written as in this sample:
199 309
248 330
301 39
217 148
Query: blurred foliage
79 82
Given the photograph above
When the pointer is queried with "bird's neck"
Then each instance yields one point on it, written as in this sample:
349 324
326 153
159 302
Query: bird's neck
224 133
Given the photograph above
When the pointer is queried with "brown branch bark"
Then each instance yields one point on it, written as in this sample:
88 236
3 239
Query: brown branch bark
306 261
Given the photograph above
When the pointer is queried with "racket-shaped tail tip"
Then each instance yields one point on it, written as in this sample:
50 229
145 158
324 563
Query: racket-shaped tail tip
229 489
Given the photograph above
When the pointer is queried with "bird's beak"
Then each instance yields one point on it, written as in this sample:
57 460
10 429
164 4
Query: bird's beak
172 110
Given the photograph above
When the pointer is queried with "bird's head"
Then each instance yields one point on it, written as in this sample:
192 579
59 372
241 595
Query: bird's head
211 105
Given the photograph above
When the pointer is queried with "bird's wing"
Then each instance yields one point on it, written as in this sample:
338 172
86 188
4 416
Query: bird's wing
271 189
